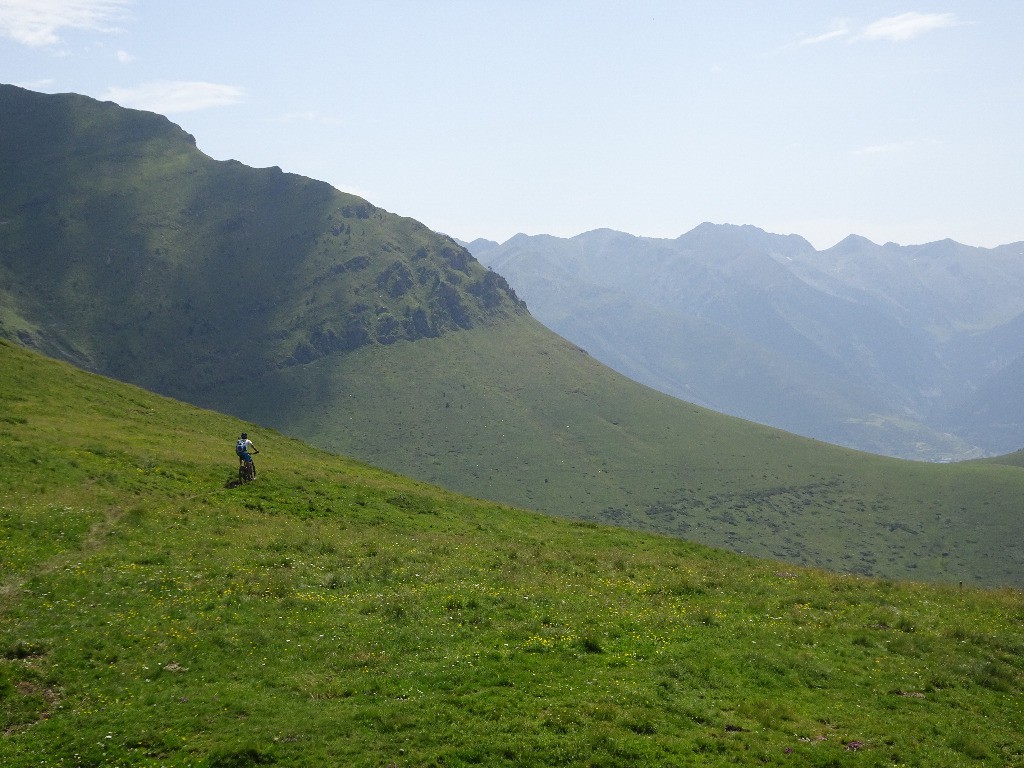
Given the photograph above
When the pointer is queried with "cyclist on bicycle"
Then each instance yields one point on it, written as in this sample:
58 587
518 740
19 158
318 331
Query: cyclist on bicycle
244 448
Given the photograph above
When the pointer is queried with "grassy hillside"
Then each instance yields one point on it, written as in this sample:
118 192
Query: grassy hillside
125 249
517 414
283 301
334 614
1015 459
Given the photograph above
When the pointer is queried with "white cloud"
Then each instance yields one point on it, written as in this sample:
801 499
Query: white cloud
908 25
904 26
838 28
124 57
167 97
37 22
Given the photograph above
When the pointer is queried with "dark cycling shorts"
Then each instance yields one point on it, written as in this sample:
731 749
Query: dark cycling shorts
245 457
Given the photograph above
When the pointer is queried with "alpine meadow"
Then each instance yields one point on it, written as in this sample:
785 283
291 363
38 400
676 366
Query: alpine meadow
469 542
330 613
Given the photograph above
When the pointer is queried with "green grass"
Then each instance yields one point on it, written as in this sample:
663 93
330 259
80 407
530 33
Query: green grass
1015 459
516 414
333 614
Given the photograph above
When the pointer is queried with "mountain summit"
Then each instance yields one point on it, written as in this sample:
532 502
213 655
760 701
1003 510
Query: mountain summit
122 243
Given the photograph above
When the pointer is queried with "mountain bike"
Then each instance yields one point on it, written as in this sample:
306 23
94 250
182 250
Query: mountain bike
246 470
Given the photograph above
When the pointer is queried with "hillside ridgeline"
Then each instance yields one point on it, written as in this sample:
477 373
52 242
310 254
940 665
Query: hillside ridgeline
126 250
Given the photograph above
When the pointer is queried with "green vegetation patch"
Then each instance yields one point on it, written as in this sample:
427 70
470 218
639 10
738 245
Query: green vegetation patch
515 414
331 613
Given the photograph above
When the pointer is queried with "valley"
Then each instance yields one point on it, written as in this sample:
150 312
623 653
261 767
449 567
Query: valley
367 334
907 351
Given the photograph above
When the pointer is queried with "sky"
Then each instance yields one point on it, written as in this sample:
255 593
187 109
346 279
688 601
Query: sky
899 122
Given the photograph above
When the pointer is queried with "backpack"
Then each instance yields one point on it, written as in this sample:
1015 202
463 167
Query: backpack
240 447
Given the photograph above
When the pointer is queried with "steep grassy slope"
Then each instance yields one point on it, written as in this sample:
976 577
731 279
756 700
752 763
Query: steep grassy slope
333 614
280 300
514 413
125 249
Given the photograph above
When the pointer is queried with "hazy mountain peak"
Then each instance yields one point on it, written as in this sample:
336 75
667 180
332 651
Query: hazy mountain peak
521 237
709 236
851 243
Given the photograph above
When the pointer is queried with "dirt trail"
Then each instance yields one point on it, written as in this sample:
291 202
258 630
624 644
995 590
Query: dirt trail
11 585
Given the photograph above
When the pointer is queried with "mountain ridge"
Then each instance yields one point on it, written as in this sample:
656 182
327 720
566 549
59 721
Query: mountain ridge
246 239
903 335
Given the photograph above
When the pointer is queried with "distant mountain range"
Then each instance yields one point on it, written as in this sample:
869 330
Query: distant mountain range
910 351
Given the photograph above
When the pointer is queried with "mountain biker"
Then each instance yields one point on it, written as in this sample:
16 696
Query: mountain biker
244 448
